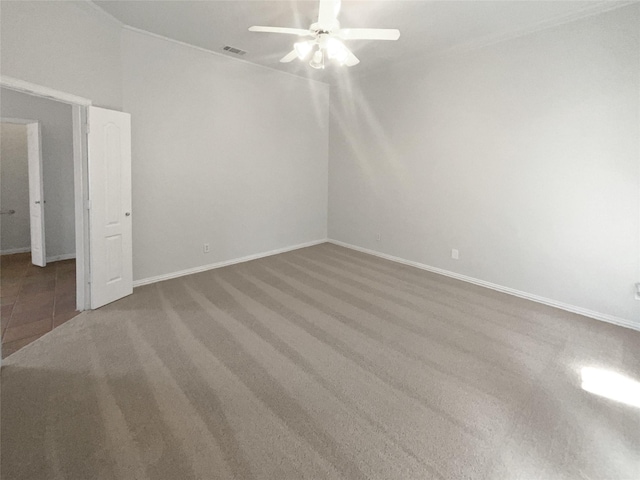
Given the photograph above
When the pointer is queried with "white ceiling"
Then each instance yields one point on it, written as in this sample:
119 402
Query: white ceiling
427 27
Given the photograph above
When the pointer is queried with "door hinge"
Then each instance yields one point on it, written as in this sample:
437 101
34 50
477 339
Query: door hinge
86 128
87 205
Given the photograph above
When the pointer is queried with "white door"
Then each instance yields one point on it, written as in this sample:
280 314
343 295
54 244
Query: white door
109 148
36 195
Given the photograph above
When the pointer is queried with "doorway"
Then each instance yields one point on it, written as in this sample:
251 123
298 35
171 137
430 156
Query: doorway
101 195
37 239
21 173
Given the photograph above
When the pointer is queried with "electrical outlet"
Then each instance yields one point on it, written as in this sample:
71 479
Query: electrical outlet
377 237
638 291
454 254
206 248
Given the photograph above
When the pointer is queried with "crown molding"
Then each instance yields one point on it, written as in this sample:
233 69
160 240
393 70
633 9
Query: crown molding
92 7
218 54
593 9
590 10
89 6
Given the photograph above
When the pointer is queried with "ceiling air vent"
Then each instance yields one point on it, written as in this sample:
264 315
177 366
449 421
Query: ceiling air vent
234 50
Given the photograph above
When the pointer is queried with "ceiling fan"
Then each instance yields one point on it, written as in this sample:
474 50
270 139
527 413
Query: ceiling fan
327 38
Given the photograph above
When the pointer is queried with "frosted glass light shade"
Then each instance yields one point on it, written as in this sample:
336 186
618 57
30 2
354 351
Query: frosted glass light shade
336 50
317 61
302 49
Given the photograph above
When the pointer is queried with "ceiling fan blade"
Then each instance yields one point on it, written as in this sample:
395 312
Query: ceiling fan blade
351 59
289 57
368 33
290 31
328 12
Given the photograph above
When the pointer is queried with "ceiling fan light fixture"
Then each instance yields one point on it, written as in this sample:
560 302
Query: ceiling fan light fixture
317 61
327 35
336 50
303 49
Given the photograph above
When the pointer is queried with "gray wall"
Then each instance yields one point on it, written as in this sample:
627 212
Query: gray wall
243 168
57 163
224 152
522 155
14 188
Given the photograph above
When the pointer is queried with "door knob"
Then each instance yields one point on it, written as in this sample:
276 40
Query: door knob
127 214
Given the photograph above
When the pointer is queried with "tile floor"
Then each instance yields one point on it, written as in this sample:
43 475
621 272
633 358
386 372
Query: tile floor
34 300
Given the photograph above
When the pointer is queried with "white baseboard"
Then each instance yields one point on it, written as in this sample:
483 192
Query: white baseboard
529 296
211 266
11 251
57 258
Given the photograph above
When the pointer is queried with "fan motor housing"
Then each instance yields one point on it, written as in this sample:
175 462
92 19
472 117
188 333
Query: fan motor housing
327 28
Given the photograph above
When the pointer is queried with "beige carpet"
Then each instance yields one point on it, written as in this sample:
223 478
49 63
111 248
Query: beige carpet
319 363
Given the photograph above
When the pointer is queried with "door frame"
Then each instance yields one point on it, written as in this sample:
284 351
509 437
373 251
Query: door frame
80 176
33 150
